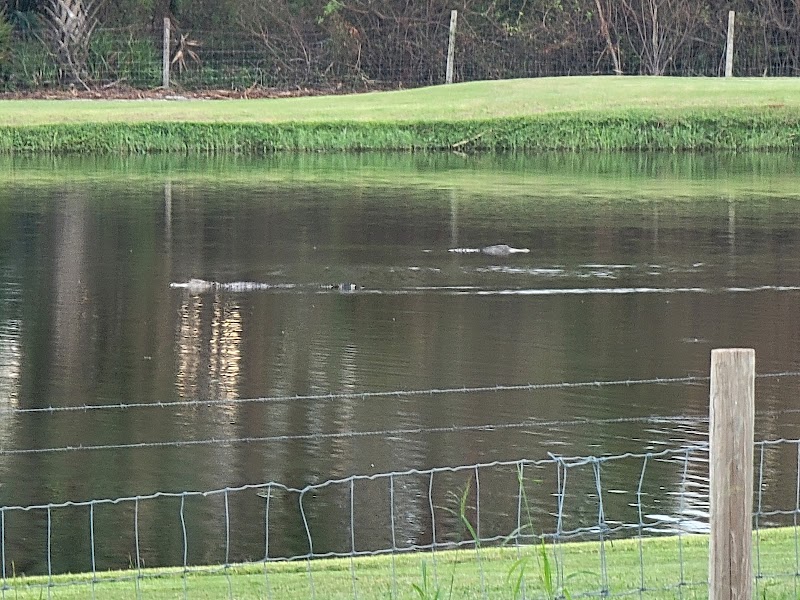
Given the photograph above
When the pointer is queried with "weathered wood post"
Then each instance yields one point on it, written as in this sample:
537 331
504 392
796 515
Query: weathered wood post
729 45
732 412
165 55
451 46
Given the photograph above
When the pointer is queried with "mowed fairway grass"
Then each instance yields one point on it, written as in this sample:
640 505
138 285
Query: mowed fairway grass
569 113
462 101
656 568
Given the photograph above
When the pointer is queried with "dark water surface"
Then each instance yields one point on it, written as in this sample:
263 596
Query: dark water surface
638 266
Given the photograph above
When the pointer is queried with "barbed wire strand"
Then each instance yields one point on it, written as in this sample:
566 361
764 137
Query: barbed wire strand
687 379
364 395
399 432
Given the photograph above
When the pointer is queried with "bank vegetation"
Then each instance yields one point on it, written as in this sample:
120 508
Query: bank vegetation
590 113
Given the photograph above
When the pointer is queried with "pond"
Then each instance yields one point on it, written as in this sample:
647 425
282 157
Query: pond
638 266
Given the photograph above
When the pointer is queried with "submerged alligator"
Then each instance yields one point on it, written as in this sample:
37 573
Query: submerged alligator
199 286
496 250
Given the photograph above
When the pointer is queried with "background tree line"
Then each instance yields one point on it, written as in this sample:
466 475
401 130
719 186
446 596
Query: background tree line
365 43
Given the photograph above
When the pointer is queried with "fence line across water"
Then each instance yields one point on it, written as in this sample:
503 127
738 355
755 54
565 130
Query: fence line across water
393 432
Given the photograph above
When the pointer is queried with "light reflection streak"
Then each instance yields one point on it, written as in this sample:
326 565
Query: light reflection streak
10 369
209 350
209 341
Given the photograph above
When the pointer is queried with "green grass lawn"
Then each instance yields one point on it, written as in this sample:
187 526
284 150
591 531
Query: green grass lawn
667 567
570 113
463 101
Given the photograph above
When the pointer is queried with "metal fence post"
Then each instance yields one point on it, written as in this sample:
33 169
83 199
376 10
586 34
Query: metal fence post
165 55
451 46
732 409
729 45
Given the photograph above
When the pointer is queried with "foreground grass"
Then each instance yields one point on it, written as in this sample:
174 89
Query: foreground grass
668 567
576 113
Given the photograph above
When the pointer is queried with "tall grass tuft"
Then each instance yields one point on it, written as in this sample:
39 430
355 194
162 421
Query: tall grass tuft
635 130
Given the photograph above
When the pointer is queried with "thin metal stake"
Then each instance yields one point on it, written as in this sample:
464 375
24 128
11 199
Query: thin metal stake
3 547
433 532
757 514
353 539
185 546
478 531
49 552
228 546
561 471
91 541
682 583
641 525
138 556
266 541
601 522
310 546
394 541
520 493
796 512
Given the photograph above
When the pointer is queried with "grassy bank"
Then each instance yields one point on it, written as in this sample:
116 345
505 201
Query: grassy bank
581 113
658 567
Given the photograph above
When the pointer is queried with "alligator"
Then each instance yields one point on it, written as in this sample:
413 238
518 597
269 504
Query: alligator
496 250
200 286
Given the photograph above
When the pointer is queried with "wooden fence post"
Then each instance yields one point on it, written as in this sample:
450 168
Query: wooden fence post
165 55
729 45
732 411
451 46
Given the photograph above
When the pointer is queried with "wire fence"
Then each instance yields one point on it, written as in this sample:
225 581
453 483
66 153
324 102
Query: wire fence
584 526
590 525
412 54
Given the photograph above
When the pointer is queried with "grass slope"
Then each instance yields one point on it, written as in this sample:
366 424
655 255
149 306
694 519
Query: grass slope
581 113
459 102
669 567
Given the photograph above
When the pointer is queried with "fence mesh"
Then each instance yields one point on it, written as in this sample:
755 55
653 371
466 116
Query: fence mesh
410 52
629 524
622 525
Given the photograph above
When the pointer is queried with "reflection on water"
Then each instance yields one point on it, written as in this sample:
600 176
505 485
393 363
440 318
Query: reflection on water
638 266
209 350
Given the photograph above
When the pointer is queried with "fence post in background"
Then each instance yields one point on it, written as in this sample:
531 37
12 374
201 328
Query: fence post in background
731 413
165 55
451 46
729 45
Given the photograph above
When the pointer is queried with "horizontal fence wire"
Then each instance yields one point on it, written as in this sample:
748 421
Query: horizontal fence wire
527 423
521 387
604 526
382 433
333 396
